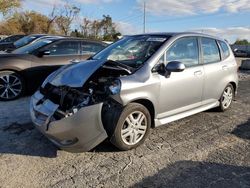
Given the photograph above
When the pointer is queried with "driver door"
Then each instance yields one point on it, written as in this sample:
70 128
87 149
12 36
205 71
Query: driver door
182 91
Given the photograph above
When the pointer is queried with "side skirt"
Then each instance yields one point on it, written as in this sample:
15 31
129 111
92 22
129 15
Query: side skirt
163 121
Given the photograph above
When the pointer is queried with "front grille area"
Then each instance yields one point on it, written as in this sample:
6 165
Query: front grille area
42 110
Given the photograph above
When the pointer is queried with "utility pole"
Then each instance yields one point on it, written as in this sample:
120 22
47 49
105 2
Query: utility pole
144 18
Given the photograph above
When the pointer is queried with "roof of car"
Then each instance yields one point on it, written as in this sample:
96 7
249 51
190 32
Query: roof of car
16 35
38 35
81 39
171 34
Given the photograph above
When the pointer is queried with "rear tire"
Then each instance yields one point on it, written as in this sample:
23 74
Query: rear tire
132 127
11 86
226 98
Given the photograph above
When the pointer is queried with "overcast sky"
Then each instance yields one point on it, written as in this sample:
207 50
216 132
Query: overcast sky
225 18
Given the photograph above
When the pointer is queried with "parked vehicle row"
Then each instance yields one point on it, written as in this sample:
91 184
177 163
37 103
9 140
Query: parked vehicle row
8 42
137 83
241 53
24 69
241 50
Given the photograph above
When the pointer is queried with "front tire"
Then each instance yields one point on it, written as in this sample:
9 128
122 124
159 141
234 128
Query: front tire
132 128
226 98
11 85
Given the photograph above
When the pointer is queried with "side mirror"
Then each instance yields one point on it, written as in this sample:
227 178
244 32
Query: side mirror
174 66
43 53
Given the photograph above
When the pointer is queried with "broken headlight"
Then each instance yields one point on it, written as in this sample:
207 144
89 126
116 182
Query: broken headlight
115 87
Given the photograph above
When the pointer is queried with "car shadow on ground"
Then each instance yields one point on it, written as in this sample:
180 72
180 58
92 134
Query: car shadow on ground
198 174
24 139
105 147
243 130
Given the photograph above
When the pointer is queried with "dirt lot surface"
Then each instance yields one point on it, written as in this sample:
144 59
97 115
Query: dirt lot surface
210 149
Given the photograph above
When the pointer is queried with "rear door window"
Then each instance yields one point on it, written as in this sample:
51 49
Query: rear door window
210 50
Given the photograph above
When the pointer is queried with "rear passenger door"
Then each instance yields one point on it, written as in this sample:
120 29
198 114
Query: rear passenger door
215 67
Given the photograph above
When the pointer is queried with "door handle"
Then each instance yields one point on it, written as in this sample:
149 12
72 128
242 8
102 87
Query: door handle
75 61
198 73
225 67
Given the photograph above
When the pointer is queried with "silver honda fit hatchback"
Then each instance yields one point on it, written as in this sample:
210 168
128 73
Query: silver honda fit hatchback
137 83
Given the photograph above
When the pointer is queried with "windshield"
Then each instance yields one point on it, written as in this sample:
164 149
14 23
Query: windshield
32 47
24 41
132 51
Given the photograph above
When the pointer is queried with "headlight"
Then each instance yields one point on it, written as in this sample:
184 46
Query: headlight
115 87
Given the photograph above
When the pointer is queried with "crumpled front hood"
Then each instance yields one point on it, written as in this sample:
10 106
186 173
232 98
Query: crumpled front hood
74 75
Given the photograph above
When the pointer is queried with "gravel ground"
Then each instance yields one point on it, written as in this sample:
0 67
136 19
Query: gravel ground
210 149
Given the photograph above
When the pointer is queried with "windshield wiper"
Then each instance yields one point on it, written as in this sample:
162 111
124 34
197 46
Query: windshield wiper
121 66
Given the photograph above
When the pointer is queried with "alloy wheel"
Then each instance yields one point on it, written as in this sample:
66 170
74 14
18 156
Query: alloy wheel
134 128
10 86
227 97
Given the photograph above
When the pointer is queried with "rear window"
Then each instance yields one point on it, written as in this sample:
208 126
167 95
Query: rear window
210 50
225 49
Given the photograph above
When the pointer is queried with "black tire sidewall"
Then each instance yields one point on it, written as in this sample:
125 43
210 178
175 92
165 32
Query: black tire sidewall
116 138
22 82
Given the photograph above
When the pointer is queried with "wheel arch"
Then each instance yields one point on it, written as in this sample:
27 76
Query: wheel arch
234 86
10 70
150 107
17 71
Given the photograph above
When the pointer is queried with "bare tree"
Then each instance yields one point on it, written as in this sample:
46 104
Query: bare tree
85 26
96 28
67 15
51 18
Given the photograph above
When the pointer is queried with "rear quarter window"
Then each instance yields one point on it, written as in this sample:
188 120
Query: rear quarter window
225 49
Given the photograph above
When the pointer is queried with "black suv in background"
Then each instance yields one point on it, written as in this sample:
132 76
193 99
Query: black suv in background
8 41
26 68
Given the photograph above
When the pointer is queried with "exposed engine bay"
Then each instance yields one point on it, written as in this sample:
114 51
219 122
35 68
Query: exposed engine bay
99 87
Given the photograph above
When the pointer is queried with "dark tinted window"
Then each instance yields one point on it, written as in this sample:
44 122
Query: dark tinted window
64 48
25 40
90 48
29 49
225 49
12 38
184 50
8 39
210 49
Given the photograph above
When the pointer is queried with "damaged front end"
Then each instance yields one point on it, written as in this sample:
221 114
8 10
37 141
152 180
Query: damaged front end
68 106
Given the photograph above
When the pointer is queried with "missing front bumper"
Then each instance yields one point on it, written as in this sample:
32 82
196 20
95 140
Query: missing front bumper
78 133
